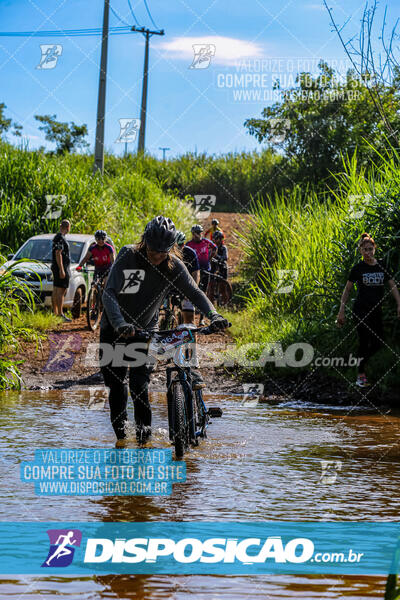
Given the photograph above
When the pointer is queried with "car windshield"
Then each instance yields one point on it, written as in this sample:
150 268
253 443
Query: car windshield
41 250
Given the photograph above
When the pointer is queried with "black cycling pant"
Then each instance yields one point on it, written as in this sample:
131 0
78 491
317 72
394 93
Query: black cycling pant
138 380
370 334
204 278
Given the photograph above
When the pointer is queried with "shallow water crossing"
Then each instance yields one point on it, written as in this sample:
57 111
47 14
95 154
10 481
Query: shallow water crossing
260 462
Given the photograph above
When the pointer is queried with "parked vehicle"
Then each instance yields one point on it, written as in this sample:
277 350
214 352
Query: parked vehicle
38 274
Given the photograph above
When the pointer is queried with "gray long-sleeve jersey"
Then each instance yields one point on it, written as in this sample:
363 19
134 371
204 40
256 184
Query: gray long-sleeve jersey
136 289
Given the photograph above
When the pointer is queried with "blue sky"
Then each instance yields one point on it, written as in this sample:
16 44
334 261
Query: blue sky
251 43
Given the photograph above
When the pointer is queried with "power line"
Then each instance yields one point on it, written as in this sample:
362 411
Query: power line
149 13
66 32
132 13
118 16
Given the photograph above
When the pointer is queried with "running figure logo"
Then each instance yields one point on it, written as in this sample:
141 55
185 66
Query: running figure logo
203 54
63 349
50 55
62 547
128 130
203 205
133 280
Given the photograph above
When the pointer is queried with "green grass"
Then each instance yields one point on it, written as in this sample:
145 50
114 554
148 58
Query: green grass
121 202
39 320
14 297
318 240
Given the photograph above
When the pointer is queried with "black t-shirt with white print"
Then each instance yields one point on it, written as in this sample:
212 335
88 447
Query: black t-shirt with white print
370 281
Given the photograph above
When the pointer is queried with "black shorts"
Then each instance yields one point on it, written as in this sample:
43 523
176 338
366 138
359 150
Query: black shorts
58 282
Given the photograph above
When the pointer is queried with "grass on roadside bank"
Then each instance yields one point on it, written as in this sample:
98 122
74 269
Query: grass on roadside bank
15 329
40 320
297 259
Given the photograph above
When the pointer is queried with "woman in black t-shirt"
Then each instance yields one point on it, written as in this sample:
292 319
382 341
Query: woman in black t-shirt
370 277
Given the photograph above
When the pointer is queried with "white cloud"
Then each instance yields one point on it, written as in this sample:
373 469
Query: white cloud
227 50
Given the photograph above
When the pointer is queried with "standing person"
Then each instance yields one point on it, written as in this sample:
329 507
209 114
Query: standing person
214 227
191 262
102 254
370 276
220 262
60 261
141 277
205 250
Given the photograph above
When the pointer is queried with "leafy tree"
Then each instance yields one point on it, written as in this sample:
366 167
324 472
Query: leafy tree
67 137
5 124
324 118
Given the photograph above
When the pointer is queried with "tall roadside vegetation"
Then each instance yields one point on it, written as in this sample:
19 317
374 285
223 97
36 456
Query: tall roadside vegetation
307 250
121 202
14 296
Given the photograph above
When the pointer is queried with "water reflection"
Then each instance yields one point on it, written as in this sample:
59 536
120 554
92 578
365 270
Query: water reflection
264 462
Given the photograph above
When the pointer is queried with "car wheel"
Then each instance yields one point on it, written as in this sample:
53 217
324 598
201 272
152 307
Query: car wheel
77 304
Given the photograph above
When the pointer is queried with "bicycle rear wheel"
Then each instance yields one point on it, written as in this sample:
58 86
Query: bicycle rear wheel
93 309
224 294
180 422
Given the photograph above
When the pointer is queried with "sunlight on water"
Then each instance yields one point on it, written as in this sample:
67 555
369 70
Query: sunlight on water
260 462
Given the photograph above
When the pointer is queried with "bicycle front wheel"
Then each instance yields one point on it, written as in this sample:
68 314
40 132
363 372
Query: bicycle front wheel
93 309
180 421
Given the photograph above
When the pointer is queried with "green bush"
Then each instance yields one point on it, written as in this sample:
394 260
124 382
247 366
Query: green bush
14 295
319 240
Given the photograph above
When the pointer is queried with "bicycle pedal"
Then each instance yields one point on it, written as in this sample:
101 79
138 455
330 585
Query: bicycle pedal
214 411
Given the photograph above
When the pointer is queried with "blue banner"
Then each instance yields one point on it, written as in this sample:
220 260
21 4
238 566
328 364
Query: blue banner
199 548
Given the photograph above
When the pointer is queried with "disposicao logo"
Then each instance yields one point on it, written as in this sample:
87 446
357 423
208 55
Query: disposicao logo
190 550
62 547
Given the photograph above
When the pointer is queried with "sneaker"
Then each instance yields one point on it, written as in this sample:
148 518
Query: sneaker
197 381
362 381
66 319
143 433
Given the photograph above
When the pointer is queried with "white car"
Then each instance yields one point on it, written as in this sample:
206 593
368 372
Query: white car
38 275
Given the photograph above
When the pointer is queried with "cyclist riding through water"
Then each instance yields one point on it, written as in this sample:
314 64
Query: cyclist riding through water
102 254
142 276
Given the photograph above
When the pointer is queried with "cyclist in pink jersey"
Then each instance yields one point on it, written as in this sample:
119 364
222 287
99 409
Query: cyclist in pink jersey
205 250
102 255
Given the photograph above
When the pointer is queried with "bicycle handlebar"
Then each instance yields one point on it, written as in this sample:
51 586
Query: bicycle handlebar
147 335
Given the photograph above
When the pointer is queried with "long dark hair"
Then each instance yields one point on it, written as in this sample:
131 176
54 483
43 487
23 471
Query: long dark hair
169 262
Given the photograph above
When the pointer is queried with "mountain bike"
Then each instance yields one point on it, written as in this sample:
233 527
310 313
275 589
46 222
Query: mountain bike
94 305
188 417
219 290
170 312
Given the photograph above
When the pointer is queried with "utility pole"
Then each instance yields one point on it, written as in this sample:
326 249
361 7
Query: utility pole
143 110
101 101
164 149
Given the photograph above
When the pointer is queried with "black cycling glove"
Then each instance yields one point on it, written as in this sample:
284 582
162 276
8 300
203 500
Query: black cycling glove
126 330
218 322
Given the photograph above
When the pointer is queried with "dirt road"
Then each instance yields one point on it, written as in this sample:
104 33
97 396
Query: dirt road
65 358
